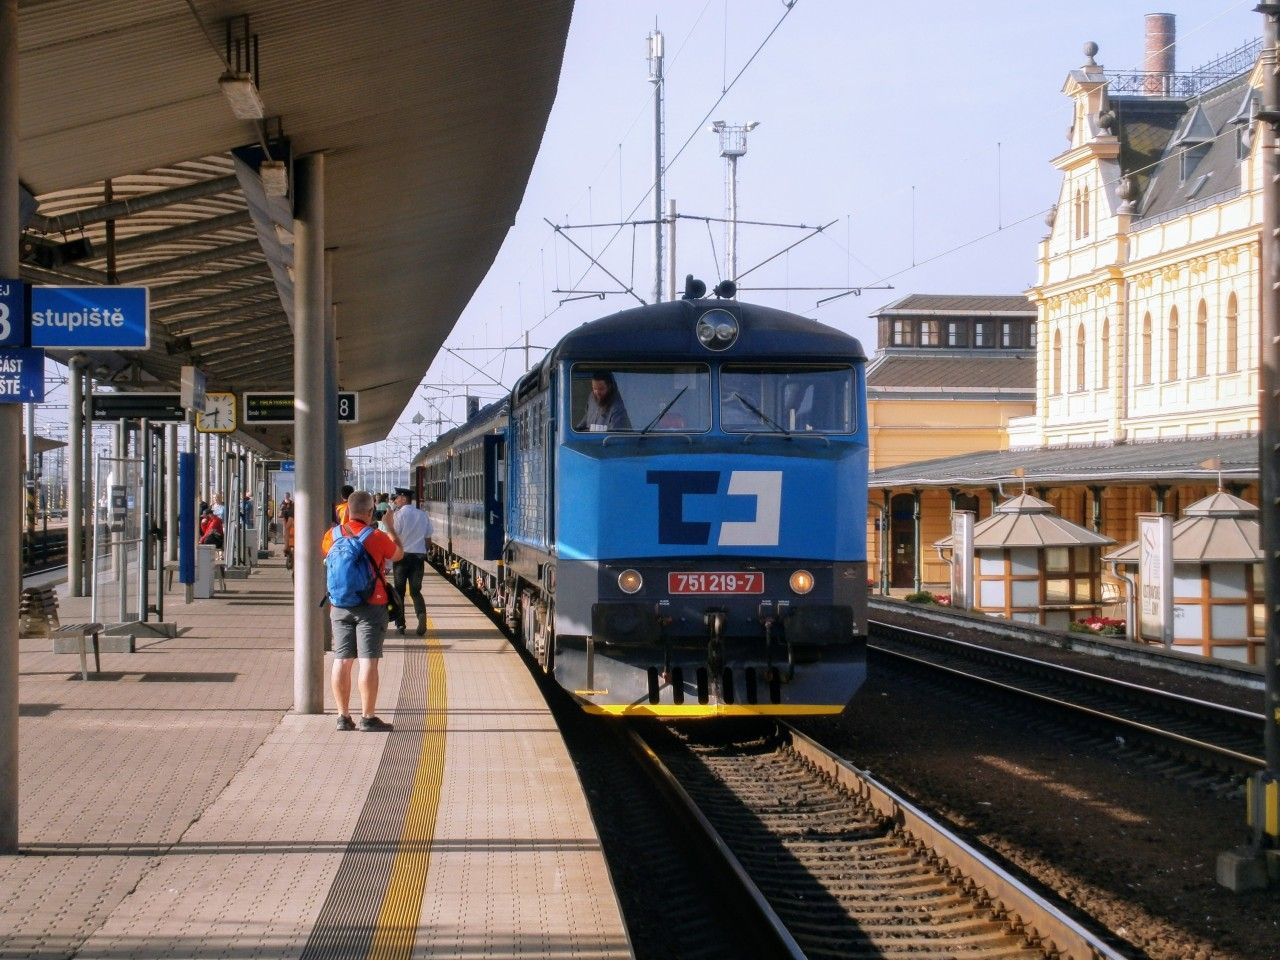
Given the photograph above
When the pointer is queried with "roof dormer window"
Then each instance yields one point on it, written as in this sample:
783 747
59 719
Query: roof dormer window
1189 158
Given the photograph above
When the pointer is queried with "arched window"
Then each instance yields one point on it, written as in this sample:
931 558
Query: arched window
1080 357
1104 355
1202 340
1084 213
1056 366
1076 219
1231 342
1171 346
1146 349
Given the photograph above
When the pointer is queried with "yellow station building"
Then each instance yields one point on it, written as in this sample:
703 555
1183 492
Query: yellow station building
1145 327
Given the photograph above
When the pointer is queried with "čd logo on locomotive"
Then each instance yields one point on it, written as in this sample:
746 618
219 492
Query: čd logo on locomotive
764 486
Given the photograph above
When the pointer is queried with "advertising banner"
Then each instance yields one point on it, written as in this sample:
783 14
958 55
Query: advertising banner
962 559
1155 577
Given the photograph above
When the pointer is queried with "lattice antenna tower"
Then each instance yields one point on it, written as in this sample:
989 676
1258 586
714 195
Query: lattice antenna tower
656 56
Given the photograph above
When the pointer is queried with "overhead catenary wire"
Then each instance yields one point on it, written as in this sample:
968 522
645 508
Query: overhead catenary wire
918 261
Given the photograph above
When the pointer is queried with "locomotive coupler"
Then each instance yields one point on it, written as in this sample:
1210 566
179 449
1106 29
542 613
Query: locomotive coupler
767 620
715 620
663 622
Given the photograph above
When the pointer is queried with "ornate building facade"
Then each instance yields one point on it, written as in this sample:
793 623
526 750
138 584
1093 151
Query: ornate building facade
1147 281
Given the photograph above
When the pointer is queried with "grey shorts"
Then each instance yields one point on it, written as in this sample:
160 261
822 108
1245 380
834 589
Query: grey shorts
358 631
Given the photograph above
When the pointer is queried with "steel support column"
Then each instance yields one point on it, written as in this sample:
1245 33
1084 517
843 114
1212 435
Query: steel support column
309 431
171 492
916 538
75 477
90 481
1269 381
10 437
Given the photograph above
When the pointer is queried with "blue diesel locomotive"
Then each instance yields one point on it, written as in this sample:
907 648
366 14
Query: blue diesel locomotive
670 511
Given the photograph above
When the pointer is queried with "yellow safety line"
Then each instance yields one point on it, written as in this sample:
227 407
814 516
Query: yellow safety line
397 926
710 709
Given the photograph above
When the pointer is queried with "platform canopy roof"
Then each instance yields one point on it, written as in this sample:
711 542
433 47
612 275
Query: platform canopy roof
1221 528
1182 459
429 116
1027 521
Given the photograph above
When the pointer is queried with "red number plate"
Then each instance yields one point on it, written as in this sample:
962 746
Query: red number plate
750 581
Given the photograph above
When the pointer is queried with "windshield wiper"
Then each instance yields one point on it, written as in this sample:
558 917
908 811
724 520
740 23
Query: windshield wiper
761 414
663 412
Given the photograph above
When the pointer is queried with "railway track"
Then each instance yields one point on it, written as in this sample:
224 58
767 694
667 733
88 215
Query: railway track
838 866
1223 739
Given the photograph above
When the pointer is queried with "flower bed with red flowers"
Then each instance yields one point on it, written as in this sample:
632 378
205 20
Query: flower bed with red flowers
1106 626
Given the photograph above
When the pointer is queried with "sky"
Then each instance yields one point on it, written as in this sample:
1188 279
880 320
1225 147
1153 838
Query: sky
922 135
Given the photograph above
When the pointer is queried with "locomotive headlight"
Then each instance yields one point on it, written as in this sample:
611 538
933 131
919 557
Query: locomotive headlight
629 581
717 329
801 582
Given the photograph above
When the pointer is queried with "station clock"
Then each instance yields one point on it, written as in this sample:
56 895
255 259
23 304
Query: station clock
219 414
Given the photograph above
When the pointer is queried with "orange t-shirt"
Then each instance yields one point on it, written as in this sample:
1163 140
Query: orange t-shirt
379 546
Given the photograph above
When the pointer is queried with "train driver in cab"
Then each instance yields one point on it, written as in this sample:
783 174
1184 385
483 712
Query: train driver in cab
605 409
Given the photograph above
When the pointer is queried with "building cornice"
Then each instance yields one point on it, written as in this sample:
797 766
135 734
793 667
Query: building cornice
1104 148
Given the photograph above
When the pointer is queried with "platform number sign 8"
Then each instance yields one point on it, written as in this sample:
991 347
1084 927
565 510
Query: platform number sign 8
12 329
347 408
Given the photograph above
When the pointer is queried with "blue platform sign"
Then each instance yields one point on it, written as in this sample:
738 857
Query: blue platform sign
21 376
13 313
287 466
84 317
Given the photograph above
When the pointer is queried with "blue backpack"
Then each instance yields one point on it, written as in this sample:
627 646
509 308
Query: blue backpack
349 573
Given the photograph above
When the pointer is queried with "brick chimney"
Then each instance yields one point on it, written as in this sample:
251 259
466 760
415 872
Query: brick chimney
1158 63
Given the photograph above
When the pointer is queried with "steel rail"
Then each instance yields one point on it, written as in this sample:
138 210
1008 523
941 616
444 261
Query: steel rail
1048 670
985 901
1068 937
785 942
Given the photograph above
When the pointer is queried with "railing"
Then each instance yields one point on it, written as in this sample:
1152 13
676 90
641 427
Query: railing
1190 84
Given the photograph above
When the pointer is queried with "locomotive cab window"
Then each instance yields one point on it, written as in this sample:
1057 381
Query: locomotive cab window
654 398
777 398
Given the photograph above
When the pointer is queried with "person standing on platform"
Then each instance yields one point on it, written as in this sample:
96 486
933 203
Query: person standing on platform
413 529
220 507
355 552
340 508
246 511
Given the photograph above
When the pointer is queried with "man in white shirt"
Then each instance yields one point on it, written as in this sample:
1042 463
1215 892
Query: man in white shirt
413 528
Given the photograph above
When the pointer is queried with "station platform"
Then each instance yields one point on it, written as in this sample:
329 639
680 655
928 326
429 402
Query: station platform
175 807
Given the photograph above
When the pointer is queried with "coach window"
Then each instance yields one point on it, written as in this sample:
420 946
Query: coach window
791 398
659 398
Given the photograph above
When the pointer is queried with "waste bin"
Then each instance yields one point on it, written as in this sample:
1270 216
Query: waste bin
206 557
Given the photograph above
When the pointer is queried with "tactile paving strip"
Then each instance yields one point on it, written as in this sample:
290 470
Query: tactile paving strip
373 905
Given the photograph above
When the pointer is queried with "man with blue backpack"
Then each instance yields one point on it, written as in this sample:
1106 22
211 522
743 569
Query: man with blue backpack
355 553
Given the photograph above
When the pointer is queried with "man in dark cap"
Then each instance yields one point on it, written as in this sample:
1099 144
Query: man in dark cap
413 528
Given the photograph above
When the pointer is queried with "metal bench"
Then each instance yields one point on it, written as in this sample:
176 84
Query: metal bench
83 630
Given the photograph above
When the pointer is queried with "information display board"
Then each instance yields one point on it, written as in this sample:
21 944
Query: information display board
164 407
269 408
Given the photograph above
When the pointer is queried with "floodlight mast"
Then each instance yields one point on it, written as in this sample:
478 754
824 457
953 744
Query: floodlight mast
656 48
733 144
